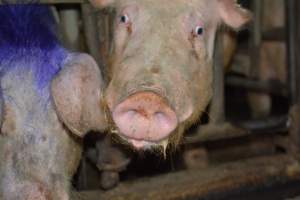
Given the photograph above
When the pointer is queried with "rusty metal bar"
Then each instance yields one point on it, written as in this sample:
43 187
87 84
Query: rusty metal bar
212 182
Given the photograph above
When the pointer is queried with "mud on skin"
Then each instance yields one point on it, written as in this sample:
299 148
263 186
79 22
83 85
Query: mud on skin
161 65
44 90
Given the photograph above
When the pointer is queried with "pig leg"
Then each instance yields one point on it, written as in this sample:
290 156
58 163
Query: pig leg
110 159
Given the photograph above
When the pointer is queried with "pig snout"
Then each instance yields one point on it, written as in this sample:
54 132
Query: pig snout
145 116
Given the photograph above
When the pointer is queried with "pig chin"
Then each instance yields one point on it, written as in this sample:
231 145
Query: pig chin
144 119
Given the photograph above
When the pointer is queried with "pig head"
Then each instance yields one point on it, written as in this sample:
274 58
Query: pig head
161 65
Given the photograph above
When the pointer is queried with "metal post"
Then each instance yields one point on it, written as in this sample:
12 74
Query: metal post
292 45
292 40
217 110
69 16
256 36
92 34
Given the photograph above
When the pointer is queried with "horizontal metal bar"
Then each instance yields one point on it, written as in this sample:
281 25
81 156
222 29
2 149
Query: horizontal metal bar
271 87
209 182
268 125
213 132
275 34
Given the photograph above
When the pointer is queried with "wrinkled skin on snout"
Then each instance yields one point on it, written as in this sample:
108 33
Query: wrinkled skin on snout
161 65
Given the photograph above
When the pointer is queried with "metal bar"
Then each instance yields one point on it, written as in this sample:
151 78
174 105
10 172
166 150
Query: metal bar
214 132
69 18
271 87
292 8
256 39
217 110
291 24
268 125
255 50
240 149
210 182
92 34
275 34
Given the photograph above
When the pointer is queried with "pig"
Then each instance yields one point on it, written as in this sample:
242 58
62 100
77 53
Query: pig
50 97
160 69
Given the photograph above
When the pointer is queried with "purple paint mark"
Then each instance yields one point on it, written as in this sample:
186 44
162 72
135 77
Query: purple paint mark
28 41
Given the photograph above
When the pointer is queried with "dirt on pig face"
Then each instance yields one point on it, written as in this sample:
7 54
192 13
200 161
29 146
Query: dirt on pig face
161 68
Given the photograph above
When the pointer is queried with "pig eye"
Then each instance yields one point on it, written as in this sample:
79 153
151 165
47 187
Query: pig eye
124 19
199 31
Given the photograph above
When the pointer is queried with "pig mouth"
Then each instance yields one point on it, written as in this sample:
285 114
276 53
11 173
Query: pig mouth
140 144
144 119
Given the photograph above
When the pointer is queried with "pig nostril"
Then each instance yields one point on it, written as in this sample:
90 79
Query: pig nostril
137 113
159 115
162 119
131 112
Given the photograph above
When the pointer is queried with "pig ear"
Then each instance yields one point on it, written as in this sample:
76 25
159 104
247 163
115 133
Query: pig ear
76 92
102 3
232 14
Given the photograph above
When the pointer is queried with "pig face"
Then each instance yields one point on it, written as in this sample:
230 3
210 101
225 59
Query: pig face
161 69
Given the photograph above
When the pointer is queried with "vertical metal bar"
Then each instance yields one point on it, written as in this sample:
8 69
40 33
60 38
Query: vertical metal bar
292 45
69 16
92 34
254 54
256 36
217 110
292 40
